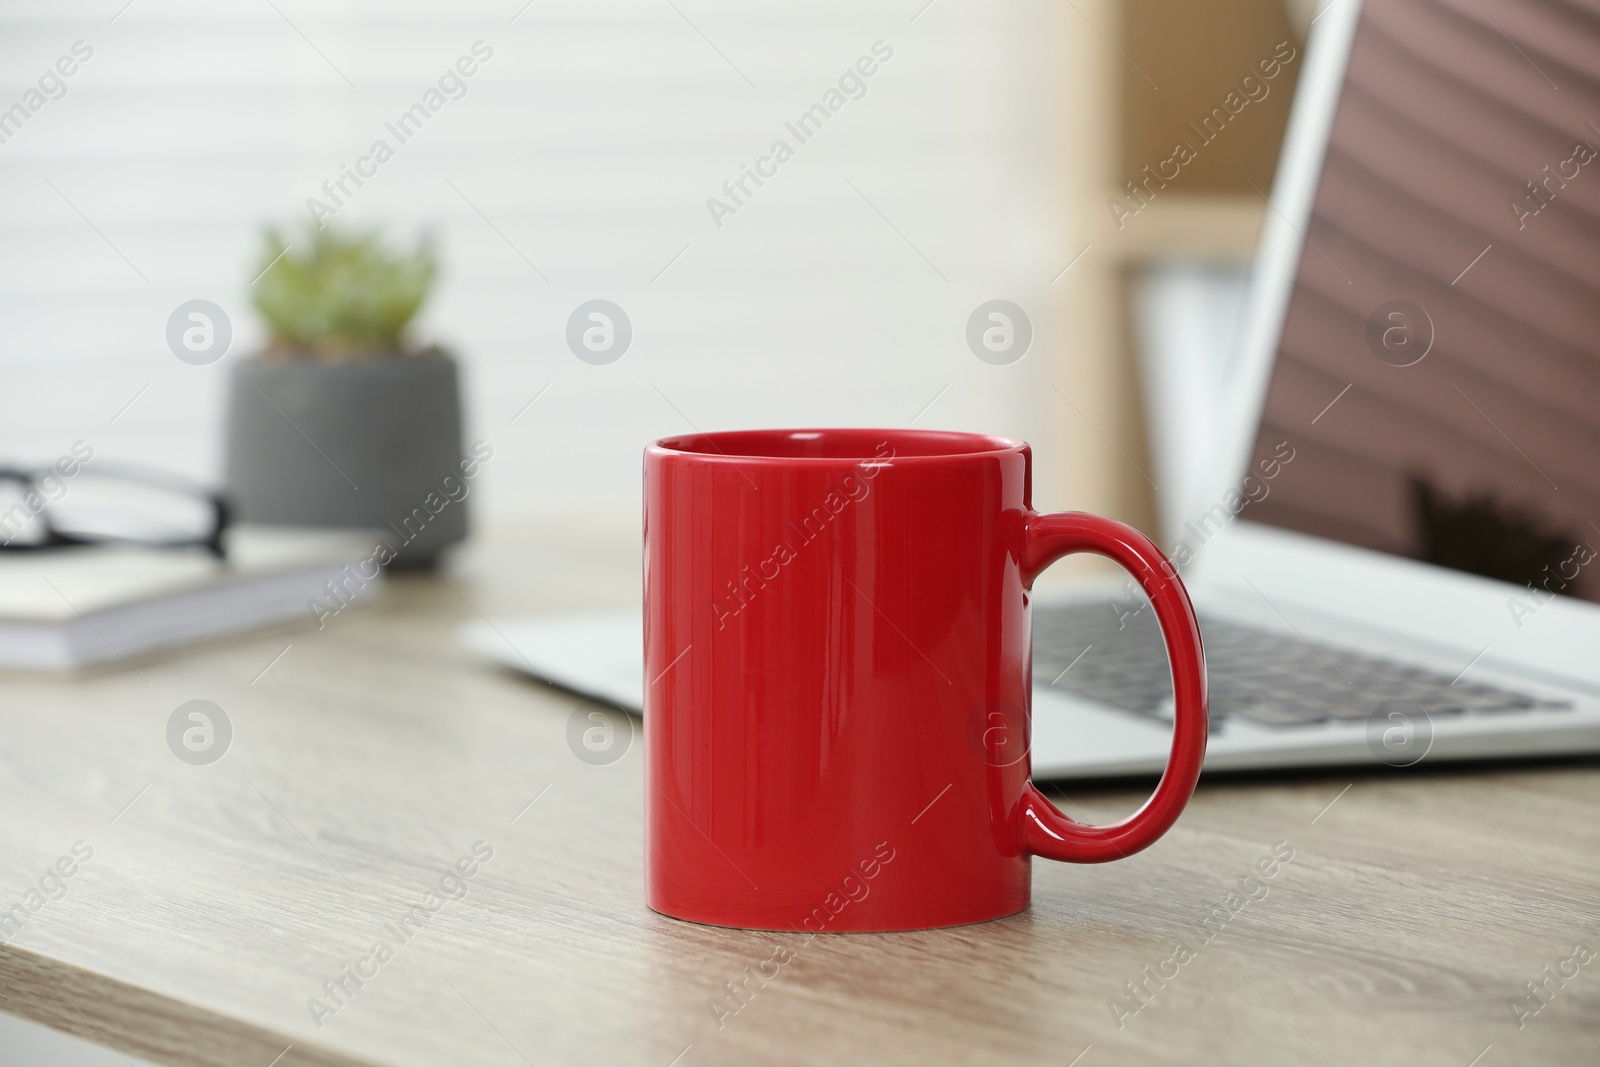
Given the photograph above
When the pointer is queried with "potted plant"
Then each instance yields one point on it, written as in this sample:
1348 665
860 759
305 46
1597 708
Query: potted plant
339 421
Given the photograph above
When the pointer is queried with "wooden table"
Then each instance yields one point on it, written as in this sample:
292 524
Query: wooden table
375 753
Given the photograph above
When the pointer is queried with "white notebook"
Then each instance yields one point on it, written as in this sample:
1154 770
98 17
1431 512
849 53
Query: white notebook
69 608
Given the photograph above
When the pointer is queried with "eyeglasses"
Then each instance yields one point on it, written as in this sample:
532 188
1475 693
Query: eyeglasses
46 508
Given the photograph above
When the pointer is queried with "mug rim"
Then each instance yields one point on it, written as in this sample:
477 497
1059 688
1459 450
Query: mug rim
935 445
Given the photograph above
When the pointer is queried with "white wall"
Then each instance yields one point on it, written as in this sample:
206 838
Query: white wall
591 141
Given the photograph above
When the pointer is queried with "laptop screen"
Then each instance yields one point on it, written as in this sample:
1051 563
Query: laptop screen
1437 384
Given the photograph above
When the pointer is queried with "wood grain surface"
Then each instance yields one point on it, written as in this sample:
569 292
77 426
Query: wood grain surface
374 754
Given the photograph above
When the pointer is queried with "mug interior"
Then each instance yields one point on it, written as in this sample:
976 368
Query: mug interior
846 444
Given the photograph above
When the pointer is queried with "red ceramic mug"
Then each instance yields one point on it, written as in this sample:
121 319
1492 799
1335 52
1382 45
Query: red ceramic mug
832 618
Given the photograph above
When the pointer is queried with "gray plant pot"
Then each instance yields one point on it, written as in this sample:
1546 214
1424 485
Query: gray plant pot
364 443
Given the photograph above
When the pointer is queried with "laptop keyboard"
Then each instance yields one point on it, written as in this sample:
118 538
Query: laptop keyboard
1268 678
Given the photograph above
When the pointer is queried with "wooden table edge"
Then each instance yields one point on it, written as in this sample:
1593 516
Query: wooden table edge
139 1022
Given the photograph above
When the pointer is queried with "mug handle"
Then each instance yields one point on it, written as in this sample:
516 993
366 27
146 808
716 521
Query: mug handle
1046 831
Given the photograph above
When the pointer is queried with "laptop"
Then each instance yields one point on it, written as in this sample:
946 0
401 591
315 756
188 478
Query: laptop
1394 548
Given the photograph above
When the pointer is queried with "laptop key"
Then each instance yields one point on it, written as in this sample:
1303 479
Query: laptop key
1266 677
1276 713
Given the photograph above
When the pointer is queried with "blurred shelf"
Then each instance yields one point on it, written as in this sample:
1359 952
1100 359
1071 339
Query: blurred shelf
1209 226
1168 62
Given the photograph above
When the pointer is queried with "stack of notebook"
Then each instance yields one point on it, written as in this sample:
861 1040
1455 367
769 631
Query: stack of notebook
76 607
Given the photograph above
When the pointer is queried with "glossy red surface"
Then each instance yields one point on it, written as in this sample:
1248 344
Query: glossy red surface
837 664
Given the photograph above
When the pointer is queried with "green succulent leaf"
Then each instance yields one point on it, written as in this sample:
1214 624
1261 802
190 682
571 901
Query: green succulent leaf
338 294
